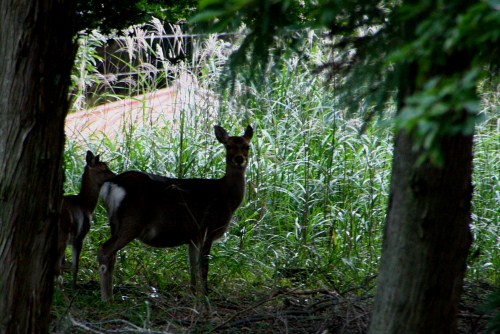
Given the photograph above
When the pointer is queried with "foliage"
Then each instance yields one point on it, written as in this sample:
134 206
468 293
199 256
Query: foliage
492 306
108 15
85 72
436 111
451 49
429 56
264 20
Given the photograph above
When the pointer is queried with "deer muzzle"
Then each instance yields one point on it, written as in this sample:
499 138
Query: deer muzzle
239 161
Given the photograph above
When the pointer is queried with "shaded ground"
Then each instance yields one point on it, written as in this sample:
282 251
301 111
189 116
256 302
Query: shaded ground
268 310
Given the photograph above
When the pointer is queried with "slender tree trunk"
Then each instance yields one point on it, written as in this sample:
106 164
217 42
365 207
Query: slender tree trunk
427 239
37 53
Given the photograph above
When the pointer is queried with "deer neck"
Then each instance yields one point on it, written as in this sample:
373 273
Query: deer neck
234 182
89 193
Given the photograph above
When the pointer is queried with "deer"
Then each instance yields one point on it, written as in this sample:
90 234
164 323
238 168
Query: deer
77 211
167 212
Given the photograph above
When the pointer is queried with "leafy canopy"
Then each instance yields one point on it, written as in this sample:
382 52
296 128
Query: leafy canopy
108 15
428 56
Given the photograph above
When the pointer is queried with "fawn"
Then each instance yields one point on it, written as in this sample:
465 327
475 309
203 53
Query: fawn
166 212
77 211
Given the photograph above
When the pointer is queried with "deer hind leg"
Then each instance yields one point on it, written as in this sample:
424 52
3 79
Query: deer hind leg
107 256
106 267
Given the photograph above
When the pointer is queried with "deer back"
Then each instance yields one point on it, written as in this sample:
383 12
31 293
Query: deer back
170 212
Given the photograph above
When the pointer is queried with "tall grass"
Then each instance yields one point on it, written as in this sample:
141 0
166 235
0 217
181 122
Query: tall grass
485 254
317 188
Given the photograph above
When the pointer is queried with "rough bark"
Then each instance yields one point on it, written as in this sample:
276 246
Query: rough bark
426 242
37 53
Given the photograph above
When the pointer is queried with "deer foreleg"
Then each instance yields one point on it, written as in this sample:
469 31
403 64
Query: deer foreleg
203 270
199 253
194 261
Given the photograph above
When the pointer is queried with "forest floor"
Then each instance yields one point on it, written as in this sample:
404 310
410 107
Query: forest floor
272 310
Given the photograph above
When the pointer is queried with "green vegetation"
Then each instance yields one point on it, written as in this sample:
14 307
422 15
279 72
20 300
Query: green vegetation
315 204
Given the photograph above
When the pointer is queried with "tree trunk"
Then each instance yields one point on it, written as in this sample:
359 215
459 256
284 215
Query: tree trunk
37 52
427 239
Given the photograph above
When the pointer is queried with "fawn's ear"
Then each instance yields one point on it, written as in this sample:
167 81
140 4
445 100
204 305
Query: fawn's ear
248 133
221 134
89 158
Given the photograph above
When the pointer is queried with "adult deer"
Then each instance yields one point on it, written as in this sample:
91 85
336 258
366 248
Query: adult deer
166 212
77 210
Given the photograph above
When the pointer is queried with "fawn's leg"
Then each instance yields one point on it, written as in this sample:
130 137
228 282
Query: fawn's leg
61 259
77 247
75 252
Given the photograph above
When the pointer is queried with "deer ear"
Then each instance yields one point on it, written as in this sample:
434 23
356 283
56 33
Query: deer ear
221 134
248 132
89 158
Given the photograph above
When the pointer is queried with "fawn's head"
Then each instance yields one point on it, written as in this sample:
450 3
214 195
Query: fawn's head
236 147
98 171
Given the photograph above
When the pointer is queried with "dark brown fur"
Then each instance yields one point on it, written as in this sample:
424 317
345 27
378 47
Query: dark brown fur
77 210
166 212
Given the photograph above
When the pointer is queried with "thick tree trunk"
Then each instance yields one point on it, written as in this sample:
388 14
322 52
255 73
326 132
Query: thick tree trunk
427 239
37 53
